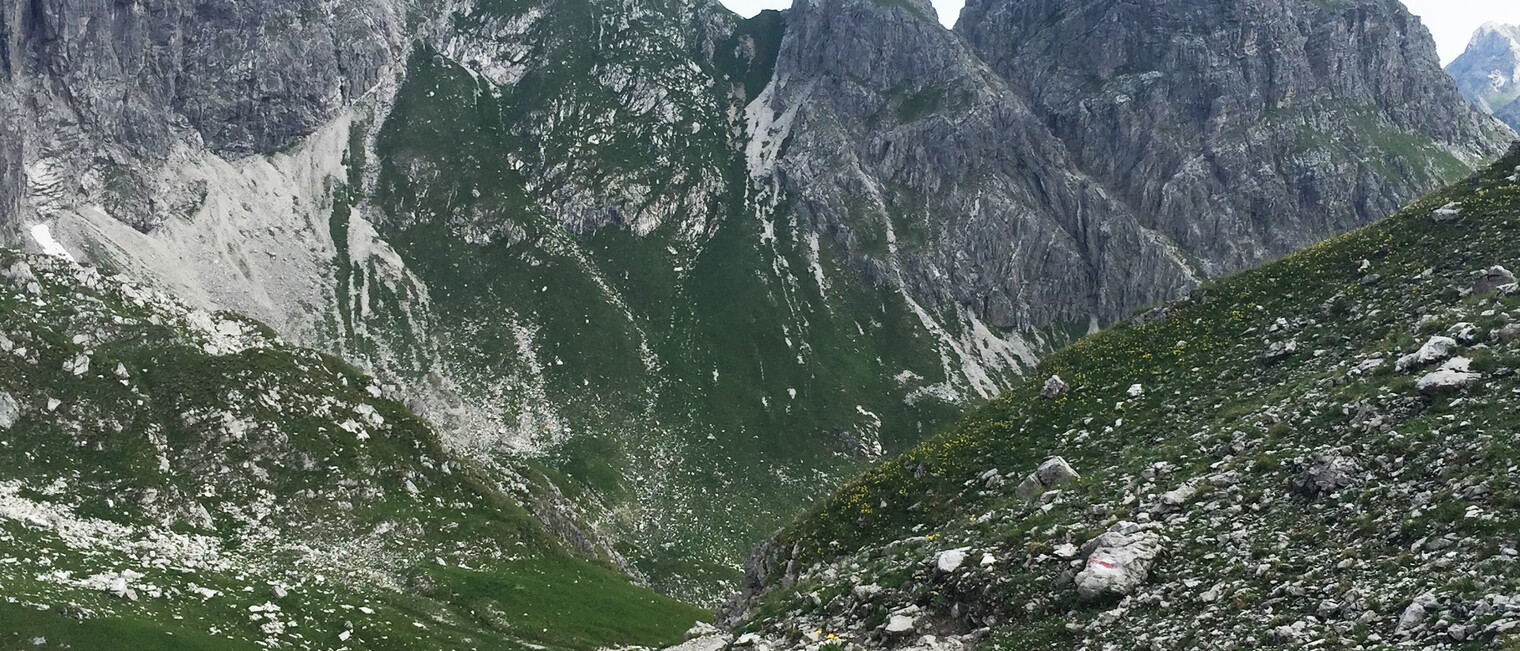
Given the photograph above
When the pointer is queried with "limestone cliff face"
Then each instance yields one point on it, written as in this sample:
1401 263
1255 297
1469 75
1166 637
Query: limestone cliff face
888 132
106 90
1488 72
1240 129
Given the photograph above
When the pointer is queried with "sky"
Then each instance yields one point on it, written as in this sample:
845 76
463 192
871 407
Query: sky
1452 22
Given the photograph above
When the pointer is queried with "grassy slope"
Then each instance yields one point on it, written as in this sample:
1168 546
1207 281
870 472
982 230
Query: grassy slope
1210 406
122 464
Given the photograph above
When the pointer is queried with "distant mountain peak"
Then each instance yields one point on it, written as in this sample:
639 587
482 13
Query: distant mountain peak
1488 72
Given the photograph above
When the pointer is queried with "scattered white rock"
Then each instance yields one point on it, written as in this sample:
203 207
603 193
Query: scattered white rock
901 624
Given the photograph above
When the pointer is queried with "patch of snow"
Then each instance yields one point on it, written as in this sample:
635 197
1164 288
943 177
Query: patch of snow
43 235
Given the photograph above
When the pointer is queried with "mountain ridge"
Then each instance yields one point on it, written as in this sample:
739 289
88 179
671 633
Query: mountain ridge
617 252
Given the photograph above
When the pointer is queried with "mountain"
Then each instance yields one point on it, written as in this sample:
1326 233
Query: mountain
1319 451
1488 72
666 274
1240 131
176 478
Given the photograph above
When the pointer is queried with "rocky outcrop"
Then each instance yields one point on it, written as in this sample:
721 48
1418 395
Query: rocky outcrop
1244 129
109 90
1488 72
887 131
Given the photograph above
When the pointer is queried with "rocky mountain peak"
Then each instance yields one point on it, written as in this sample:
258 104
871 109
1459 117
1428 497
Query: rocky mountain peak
1488 72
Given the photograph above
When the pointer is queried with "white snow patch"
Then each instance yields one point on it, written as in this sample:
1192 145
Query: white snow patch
44 237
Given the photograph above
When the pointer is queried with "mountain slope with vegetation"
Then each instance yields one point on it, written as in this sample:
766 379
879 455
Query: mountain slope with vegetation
1320 451
174 478
663 272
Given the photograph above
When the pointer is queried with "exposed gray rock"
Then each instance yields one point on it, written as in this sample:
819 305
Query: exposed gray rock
1054 386
1414 615
1454 375
1437 348
10 412
1491 279
1279 351
934 173
1052 473
1328 473
1119 560
116 87
1488 72
1448 212
1225 123
1055 472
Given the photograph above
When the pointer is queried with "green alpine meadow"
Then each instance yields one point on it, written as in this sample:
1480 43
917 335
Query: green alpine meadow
821 325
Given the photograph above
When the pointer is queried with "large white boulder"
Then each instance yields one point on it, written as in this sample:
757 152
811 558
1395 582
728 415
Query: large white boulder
1052 473
1436 349
1454 375
1119 560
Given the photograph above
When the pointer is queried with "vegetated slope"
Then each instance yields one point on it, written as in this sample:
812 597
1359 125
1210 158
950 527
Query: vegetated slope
173 478
616 251
1488 71
687 364
1321 449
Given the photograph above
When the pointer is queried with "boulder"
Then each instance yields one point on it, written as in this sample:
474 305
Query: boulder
1413 617
1464 332
1328 473
1055 472
1491 279
1278 352
1054 386
901 624
1052 473
1454 375
1509 332
1030 488
708 642
1449 212
950 560
10 412
1436 349
1119 560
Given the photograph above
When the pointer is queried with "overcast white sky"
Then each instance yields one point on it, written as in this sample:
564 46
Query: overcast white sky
1451 21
